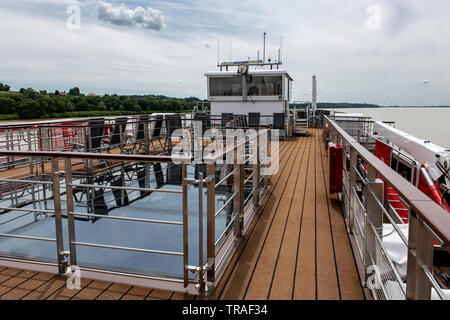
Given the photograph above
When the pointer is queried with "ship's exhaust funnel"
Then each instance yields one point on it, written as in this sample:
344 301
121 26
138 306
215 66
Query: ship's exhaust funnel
314 95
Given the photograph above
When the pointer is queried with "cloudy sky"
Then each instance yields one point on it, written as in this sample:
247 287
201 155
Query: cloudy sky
394 53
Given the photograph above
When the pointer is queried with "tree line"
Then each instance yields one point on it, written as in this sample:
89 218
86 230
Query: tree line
32 104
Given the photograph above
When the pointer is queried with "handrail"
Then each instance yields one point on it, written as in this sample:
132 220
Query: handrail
93 156
216 156
428 210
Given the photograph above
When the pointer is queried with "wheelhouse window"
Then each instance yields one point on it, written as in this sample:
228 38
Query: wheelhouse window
225 86
265 86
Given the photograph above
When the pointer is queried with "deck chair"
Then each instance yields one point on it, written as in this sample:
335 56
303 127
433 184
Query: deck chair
173 122
116 140
205 119
254 119
95 138
159 175
121 196
279 123
226 117
241 120
93 143
140 143
99 203
140 133
155 134
206 125
174 174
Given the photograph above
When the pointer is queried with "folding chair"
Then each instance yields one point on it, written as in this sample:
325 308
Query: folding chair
155 134
116 140
173 122
226 118
241 120
254 119
279 123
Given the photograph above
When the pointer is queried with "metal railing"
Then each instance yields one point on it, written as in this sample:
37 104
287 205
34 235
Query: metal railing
396 258
87 229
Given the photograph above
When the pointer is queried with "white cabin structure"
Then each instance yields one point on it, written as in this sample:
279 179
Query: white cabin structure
263 91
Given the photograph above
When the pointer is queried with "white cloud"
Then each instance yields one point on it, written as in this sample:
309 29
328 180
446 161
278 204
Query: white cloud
148 18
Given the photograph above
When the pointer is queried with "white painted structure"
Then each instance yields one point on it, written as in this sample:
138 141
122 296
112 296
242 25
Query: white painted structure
263 91
314 95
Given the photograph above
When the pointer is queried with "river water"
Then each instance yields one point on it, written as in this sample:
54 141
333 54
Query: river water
424 123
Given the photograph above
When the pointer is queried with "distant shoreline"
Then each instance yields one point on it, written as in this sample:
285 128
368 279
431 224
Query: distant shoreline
386 107
345 105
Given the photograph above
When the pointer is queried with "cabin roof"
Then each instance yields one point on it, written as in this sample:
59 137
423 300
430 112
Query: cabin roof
251 72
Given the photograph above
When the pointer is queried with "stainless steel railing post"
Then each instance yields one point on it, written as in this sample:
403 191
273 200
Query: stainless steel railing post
239 198
420 253
70 210
147 138
30 149
352 184
257 174
211 222
374 218
373 215
58 219
185 225
201 280
8 159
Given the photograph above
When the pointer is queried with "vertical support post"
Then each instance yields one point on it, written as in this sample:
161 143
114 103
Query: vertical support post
374 216
238 199
30 149
50 140
58 219
12 146
8 158
358 136
41 148
70 210
211 222
185 225
122 164
146 137
352 185
420 252
257 174
201 280
89 168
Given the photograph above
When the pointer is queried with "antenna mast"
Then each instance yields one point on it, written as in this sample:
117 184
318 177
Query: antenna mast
256 63
264 47
280 59
218 51
314 95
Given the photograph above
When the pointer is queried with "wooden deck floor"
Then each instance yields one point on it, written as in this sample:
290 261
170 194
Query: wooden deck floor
297 246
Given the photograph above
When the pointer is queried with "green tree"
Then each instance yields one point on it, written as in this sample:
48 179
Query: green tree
4 87
130 104
74 91
29 109
7 105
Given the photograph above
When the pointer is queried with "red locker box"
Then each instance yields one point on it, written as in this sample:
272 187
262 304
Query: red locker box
336 167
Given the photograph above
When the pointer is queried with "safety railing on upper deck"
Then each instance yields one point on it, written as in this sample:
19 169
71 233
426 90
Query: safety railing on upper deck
397 260
134 218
